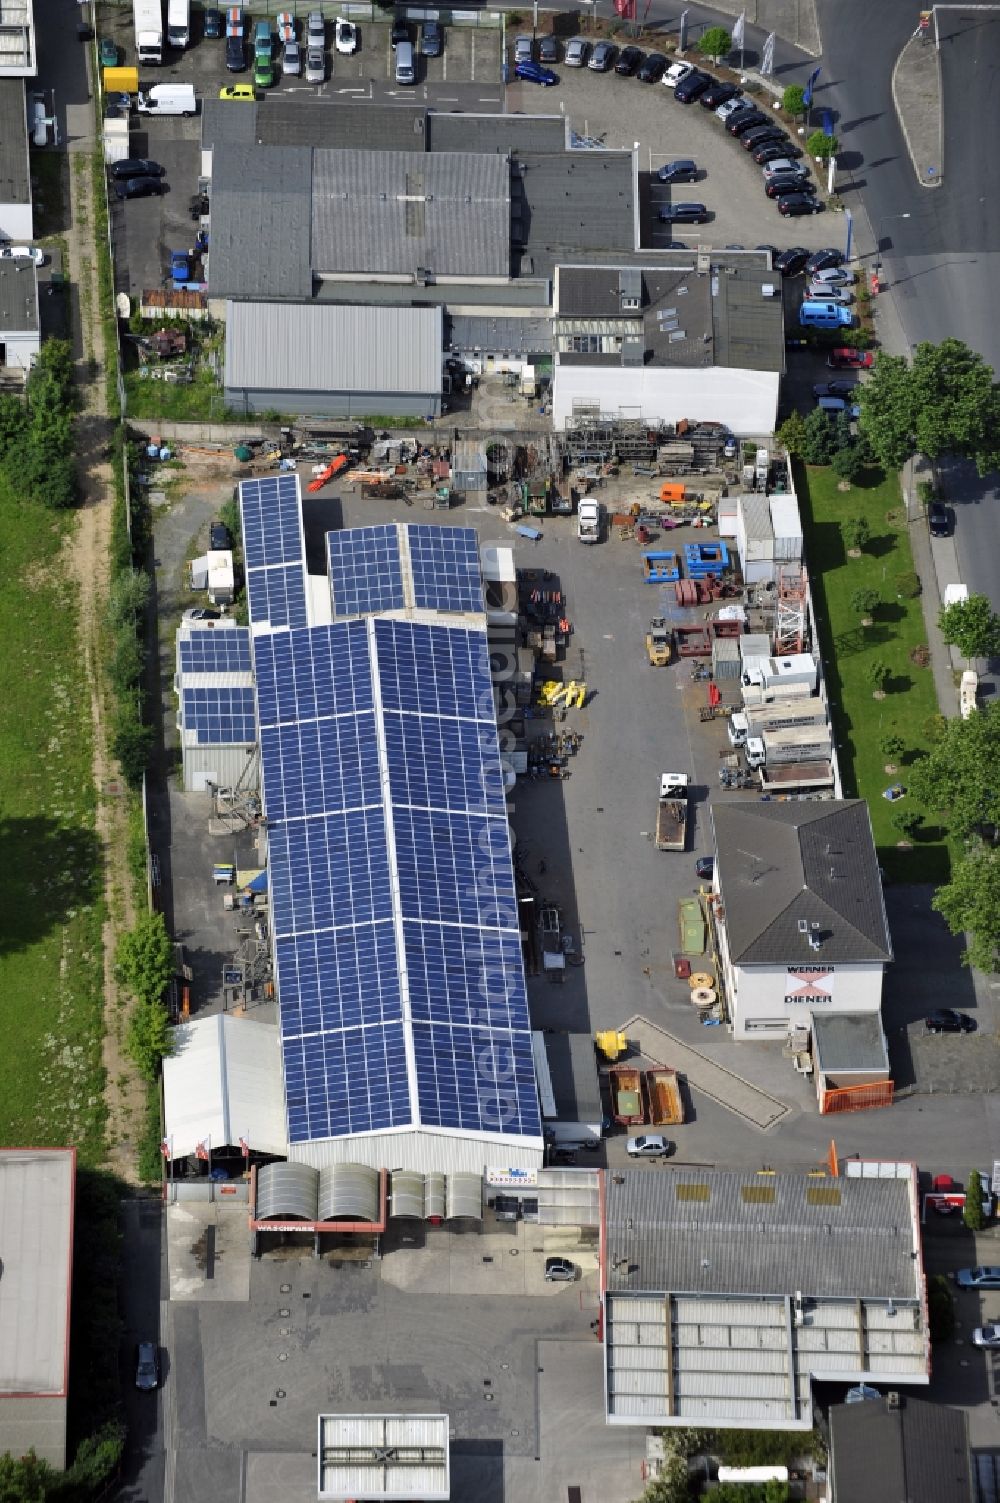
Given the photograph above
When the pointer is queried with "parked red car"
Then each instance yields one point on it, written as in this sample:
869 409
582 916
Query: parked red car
850 360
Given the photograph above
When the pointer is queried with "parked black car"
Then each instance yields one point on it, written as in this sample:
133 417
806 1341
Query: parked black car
683 170
548 50
718 94
653 69
147 1367
432 39
219 537
400 33
939 520
947 1020
798 203
788 182
212 23
745 120
771 150
137 167
236 56
822 259
140 187
629 59
683 214
791 261
690 88
760 135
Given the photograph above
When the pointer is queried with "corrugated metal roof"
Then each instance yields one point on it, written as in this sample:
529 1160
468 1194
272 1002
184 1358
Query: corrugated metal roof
333 347
756 518
715 1232
37 1188
779 864
397 211
389 1456
261 211
426 1150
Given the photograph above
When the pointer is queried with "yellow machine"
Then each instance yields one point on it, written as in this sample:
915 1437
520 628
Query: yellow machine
611 1043
659 643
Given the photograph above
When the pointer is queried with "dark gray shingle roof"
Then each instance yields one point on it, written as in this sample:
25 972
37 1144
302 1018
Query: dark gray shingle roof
688 1231
917 1451
261 210
14 185
18 297
495 133
565 204
298 121
780 863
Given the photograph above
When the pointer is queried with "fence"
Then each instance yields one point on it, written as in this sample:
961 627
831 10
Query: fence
856 1098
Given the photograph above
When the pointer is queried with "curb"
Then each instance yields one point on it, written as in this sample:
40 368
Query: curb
938 179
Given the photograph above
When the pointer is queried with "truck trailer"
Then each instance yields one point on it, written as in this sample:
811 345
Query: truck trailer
781 715
671 813
663 1092
626 1095
147 16
179 23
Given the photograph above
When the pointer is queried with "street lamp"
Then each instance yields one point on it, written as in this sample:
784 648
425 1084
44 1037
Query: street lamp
886 219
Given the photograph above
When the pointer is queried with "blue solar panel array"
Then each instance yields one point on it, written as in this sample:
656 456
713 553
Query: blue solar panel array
216 650
366 572
272 521
277 596
445 566
219 717
389 857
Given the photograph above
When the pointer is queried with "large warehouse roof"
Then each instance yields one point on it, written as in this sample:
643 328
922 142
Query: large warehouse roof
261 210
332 347
37 1190
397 948
397 211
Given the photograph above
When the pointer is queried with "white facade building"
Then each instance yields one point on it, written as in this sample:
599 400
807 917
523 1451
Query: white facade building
801 918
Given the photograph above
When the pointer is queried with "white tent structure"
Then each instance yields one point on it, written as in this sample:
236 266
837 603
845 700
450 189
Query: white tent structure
223 1083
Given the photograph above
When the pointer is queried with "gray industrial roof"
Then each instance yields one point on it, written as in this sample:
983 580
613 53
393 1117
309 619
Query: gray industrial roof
690 1231
496 133
570 204
573 1076
396 211
722 314
512 336
333 347
261 210
849 1041
531 295
15 187
782 864
37 1188
18 297
277 120
914 1451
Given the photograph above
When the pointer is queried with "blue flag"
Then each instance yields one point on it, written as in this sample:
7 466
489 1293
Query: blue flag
811 84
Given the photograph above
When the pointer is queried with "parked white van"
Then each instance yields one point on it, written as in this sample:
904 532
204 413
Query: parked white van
168 99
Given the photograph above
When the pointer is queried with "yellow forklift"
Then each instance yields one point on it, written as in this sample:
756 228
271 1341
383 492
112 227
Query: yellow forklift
659 643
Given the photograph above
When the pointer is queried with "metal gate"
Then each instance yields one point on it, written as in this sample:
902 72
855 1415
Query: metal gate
856 1098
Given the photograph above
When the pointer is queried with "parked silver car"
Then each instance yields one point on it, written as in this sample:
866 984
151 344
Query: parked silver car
315 64
291 59
576 52
648 1145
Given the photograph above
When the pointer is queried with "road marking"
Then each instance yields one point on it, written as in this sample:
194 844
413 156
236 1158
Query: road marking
352 91
472 61
489 99
447 99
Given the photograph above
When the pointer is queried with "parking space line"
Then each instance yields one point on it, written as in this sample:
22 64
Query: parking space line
472 63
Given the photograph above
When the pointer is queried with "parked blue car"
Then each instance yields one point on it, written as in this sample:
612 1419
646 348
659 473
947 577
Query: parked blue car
533 72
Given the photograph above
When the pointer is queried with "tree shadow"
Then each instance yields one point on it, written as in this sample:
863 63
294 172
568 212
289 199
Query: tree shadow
850 643
828 544
890 610
899 683
881 546
50 871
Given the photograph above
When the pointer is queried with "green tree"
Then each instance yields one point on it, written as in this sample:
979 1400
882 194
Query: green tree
906 822
144 959
715 43
972 626
865 602
131 744
23 1479
125 661
877 673
148 1038
856 532
970 903
945 403
972 1211
13 422
892 746
792 434
820 442
940 1308
128 598
849 463
960 775
793 100
821 146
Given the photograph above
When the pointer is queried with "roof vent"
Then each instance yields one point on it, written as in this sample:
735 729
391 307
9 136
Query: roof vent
768 289
892 1399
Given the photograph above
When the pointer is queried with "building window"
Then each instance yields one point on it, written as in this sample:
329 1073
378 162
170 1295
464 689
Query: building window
586 344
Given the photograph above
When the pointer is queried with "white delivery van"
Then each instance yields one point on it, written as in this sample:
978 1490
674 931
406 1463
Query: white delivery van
168 99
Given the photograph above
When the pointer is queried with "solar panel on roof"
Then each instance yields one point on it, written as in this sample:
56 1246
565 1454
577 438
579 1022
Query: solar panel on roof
219 716
474 1080
277 596
213 651
338 1084
445 566
340 978
365 570
446 764
320 766
331 871
302 675
437 670
460 975
453 868
272 521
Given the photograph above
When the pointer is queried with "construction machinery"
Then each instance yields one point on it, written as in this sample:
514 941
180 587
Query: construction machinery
611 1043
671 812
571 695
659 643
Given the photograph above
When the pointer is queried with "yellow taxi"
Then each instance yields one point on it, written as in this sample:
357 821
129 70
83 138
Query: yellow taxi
238 91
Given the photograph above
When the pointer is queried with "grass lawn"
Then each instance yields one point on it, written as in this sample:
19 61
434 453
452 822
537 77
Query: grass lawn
199 401
860 721
51 904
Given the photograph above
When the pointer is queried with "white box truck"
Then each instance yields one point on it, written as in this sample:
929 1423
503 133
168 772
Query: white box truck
179 23
148 18
168 99
588 521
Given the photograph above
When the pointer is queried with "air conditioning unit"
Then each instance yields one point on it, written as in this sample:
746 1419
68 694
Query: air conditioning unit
892 1399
